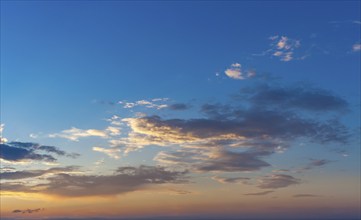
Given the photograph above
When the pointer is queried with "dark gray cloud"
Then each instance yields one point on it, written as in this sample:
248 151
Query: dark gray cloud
259 193
215 160
277 181
316 163
301 97
178 106
126 179
34 173
243 180
305 195
20 151
233 161
28 211
253 123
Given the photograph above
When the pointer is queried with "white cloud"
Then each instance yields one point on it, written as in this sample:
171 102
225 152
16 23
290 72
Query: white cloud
282 43
235 72
282 47
74 134
236 65
356 47
111 152
157 103
2 139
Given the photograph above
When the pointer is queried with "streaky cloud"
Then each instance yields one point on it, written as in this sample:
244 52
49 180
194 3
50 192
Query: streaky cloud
23 151
124 180
35 173
259 193
277 181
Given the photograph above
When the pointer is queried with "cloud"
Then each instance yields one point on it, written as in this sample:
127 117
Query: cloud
243 180
35 173
235 72
316 163
179 192
178 106
124 180
157 103
305 195
2 139
111 152
74 134
208 159
356 47
283 48
27 211
295 97
237 125
277 181
233 161
22 151
259 193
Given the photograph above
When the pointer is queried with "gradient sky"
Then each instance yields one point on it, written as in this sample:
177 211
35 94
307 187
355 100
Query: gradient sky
181 109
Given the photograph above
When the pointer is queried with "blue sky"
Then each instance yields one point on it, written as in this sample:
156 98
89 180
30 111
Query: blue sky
122 83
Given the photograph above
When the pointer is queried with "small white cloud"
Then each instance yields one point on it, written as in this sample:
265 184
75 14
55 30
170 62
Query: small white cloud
236 65
356 47
235 72
2 139
111 152
282 43
33 135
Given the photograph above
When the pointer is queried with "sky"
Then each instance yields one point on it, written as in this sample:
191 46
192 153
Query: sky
180 110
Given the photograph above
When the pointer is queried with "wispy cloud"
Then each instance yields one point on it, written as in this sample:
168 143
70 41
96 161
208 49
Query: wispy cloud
316 163
305 195
282 47
356 47
243 180
233 161
178 106
236 72
277 181
301 97
126 179
111 152
28 211
74 134
259 193
15 175
156 103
